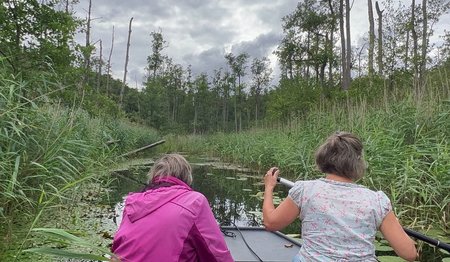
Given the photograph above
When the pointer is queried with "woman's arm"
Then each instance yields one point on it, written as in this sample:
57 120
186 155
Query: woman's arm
393 232
285 213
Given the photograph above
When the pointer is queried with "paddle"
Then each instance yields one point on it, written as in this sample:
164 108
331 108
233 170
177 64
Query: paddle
410 232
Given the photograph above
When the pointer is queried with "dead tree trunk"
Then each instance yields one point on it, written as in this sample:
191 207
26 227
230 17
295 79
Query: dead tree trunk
108 68
126 64
415 44
87 51
343 46
423 59
349 46
371 39
331 43
407 49
380 39
100 63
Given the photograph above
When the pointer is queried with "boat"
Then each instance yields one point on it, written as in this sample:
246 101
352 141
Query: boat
257 244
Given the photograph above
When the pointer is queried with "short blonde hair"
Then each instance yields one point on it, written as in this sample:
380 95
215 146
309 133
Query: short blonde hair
171 165
341 154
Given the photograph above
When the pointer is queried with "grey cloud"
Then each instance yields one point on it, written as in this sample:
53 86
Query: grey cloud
207 61
212 59
260 46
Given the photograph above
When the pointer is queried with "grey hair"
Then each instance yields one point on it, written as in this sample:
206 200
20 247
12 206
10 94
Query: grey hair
171 165
341 154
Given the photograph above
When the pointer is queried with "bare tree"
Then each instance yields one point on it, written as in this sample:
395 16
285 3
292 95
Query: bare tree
126 64
87 51
423 59
331 43
371 38
100 63
359 59
380 39
415 43
108 68
345 42
349 46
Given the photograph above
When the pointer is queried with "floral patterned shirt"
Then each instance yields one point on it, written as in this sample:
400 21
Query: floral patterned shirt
339 220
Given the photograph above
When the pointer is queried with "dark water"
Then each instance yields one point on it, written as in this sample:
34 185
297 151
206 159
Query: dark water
235 197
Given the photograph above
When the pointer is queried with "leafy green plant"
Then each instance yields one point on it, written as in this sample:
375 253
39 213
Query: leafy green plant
63 237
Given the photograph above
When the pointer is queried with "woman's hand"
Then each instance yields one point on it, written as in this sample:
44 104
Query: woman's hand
285 213
270 179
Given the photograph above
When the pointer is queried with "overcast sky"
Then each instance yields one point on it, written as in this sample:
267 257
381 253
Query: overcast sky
198 32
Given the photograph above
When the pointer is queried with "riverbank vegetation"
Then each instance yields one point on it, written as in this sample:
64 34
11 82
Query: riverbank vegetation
49 152
406 141
65 118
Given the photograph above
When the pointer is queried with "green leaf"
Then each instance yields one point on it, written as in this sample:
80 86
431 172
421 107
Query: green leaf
13 180
65 253
389 259
61 234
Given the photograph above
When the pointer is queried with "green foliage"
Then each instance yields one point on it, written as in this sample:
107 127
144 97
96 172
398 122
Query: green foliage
406 142
293 98
65 238
48 150
35 36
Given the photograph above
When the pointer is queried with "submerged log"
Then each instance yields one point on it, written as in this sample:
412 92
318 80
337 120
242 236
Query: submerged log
143 148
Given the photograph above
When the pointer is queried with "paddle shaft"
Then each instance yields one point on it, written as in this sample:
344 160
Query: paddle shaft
410 232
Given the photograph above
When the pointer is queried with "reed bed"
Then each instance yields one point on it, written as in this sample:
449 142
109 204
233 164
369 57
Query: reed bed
47 152
406 139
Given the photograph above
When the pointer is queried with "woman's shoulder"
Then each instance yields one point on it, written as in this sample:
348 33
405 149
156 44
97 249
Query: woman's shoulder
193 198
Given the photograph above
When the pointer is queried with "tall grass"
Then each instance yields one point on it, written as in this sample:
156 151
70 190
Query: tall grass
406 137
47 151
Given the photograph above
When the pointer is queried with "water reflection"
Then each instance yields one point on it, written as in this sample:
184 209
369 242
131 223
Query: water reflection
232 195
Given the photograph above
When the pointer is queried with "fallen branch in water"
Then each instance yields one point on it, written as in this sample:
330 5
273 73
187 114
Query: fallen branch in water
143 148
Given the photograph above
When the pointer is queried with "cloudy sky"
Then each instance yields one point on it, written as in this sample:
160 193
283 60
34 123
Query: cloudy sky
198 32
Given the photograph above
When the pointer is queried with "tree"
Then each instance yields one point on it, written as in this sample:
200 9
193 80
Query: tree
156 58
423 59
261 76
202 104
126 64
308 43
380 39
100 64
238 66
330 52
348 43
87 51
371 38
286 52
108 67
343 46
415 44
35 36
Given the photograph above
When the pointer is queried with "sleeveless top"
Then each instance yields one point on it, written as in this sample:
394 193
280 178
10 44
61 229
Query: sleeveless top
338 219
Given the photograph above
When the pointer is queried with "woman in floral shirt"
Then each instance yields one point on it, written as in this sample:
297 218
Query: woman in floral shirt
339 218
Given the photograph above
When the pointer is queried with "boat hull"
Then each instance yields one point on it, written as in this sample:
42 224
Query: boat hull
268 246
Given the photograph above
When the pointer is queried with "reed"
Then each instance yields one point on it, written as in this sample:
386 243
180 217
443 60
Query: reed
47 152
406 137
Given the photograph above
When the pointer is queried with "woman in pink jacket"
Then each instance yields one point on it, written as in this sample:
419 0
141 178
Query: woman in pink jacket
169 221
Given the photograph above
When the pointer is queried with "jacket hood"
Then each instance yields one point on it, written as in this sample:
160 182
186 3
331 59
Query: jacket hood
139 205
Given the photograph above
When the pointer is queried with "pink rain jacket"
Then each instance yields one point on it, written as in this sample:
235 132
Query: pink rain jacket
169 224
